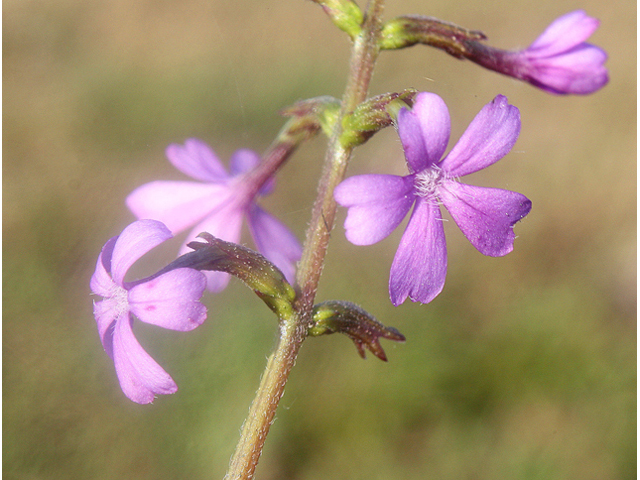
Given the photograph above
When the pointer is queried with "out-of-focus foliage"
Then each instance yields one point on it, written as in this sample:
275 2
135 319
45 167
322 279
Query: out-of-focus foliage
523 368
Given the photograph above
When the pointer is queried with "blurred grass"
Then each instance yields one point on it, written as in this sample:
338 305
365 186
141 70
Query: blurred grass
524 368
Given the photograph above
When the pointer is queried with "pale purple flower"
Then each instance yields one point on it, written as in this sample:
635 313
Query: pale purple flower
559 61
216 204
170 300
378 203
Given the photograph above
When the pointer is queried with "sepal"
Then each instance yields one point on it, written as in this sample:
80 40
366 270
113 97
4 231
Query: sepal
409 30
373 115
344 14
324 110
359 325
258 273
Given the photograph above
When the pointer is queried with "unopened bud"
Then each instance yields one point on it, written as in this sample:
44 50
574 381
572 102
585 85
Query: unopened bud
360 326
324 110
344 14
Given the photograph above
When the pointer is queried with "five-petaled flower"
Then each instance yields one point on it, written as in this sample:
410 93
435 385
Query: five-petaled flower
378 203
216 206
169 300
558 61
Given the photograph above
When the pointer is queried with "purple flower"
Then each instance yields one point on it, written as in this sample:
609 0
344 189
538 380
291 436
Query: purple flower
170 300
217 206
378 203
559 61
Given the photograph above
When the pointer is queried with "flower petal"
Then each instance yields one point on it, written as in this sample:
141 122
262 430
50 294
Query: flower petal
225 224
245 160
275 241
101 282
134 241
564 33
217 281
486 216
141 378
420 265
106 313
197 160
424 131
377 204
489 137
178 205
579 71
171 300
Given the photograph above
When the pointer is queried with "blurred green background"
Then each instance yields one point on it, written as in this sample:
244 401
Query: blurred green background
523 368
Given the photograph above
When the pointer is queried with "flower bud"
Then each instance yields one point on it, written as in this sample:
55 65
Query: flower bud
559 61
360 326
324 110
344 14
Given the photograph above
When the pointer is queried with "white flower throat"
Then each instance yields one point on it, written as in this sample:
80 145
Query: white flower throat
428 181
120 298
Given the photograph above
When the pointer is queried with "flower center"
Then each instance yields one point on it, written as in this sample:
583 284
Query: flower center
427 182
121 298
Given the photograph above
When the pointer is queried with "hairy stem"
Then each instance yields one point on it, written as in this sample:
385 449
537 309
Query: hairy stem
291 136
294 330
364 54
256 426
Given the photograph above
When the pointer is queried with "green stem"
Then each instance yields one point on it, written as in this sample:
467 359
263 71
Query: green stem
364 54
293 331
256 426
291 136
